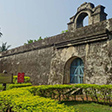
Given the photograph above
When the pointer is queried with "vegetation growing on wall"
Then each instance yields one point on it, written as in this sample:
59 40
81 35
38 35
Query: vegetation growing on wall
32 41
64 31
40 38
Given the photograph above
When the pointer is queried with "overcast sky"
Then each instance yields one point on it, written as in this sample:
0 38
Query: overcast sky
21 20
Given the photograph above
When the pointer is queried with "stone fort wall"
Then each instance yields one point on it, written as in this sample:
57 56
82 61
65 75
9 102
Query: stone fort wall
48 61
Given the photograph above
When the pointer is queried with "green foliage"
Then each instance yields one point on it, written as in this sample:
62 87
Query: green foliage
88 106
98 93
45 37
41 98
26 79
50 91
19 85
4 47
40 38
64 31
32 41
1 87
7 97
21 100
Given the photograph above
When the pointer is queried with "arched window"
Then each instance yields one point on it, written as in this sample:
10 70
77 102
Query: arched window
82 20
76 71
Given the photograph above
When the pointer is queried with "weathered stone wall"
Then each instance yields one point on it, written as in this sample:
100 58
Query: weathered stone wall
48 61
35 64
60 64
97 58
96 53
99 63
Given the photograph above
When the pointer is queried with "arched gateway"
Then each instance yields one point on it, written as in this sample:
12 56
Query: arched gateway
76 71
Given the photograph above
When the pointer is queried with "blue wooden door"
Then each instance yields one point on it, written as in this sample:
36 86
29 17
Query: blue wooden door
76 71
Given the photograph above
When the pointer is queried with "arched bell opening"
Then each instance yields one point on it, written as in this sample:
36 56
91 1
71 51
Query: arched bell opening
86 21
94 14
81 20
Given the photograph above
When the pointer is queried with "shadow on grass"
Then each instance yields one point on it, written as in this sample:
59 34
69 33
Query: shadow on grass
71 103
88 106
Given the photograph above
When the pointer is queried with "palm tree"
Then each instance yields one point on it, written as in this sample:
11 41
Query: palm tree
4 47
1 34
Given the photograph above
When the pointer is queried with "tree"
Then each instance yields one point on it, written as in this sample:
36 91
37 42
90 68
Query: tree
4 47
1 34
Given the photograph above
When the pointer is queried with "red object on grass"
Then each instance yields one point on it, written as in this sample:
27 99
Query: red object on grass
20 78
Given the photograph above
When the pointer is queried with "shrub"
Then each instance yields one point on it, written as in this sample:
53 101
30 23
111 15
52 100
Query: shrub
6 97
1 87
19 85
26 79
38 98
21 100
97 93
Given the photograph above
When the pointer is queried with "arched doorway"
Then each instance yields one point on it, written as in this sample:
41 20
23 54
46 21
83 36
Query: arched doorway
76 71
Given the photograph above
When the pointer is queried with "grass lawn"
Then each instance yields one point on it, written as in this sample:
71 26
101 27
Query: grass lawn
88 106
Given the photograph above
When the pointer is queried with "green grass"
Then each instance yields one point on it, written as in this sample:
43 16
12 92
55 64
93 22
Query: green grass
88 106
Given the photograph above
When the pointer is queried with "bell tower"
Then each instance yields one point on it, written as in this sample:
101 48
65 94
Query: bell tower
95 14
